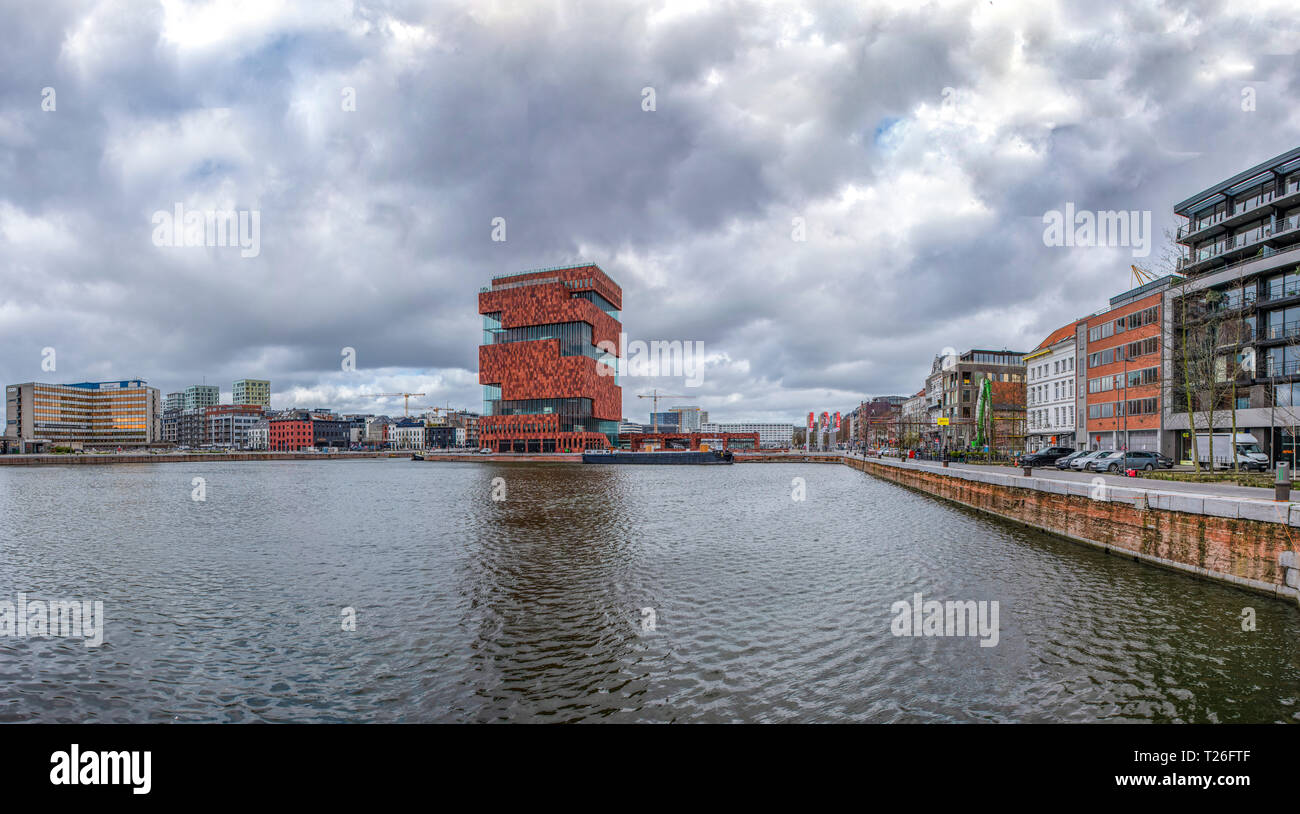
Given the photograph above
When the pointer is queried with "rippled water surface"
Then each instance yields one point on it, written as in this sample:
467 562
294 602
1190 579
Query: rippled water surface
765 608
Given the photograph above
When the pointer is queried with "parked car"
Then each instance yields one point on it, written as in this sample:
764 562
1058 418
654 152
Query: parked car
1065 461
1147 461
485 451
1045 457
1109 461
1081 463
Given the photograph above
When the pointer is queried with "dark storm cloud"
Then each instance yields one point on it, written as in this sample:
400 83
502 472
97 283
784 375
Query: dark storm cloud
920 146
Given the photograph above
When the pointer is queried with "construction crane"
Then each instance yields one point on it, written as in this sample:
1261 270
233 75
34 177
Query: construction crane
655 395
405 396
1141 276
437 410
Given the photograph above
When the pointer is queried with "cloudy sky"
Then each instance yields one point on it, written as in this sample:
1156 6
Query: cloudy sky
920 144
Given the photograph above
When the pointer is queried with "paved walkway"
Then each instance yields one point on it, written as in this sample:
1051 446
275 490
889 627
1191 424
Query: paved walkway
1052 473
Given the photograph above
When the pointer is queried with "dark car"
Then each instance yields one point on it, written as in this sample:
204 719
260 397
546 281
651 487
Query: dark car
1045 457
1140 459
1064 461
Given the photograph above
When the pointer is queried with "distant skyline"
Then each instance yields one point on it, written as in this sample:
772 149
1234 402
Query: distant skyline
825 195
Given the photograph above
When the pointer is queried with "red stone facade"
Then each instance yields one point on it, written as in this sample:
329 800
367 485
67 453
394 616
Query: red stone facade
535 369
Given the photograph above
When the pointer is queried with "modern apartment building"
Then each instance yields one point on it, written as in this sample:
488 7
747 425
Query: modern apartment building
689 418
545 386
1050 391
1120 377
228 425
252 391
1234 323
87 414
770 436
199 396
667 421
958 383
174 402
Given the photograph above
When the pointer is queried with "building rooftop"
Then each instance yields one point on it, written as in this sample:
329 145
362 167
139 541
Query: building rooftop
1143 290
1063 332
1284 163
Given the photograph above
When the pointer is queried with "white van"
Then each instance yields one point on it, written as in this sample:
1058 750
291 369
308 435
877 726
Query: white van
1245 452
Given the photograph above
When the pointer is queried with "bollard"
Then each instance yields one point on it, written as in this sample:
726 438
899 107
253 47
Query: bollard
1282 486
1029 470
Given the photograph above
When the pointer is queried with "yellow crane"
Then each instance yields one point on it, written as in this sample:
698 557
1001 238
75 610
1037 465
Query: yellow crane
655 395
405 396
1141 276
437 410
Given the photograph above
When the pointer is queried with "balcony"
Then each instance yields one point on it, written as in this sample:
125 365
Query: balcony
1239 213
1235 248
1286 330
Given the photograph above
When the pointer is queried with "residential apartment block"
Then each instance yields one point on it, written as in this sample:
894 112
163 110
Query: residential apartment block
1234 324
251 391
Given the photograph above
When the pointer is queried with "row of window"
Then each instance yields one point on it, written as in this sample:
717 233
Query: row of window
1057 417
1130 351
1111 409
1133 321
1060 389
1058 366
1136 378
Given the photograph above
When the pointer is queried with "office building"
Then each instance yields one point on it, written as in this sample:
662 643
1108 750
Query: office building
1119 382
770 435
41 416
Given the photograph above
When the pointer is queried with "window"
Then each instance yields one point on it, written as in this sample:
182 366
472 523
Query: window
1284 285
1100 358
1140 348
1283 322
1141 407
1101 331
1146 316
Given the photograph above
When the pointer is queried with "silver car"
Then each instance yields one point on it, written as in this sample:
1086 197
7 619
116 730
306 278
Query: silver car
1107 462
1081 463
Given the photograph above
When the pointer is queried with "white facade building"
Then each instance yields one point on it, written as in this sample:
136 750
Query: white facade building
259 435
770 436
1050 391
411 438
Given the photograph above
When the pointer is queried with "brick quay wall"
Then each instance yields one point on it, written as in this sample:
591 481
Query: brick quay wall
1247 542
